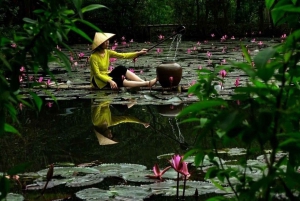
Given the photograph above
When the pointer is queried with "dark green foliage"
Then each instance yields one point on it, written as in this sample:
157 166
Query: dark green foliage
268 115
32 48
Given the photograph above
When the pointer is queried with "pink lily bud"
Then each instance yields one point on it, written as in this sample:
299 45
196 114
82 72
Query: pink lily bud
40 79
223 73
171 79
237 82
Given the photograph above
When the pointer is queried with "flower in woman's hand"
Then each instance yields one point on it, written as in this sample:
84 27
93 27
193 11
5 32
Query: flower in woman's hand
157 173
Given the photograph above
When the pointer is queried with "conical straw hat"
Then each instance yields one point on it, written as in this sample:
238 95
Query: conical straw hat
100 38
104 140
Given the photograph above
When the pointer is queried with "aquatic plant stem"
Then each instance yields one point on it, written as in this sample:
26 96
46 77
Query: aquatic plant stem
177 189
183 190
221 164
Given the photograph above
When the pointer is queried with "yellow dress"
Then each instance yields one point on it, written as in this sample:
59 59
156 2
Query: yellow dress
101 115
100 65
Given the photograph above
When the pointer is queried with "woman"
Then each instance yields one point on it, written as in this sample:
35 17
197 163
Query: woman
119 76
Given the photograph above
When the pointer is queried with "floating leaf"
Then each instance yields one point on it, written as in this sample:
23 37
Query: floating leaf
93 194
117 169
69 171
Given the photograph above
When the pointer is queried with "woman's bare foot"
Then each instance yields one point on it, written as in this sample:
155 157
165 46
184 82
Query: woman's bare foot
152 82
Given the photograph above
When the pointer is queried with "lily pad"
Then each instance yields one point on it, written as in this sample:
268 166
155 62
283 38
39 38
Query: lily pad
117 169
69 171
169 187
140 176
14 197
93 194
136 192
87 180
39 184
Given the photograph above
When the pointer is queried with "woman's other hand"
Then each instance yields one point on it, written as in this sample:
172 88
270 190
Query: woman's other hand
113 85
142 52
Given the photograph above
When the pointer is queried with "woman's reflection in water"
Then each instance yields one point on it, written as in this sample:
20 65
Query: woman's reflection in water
103 120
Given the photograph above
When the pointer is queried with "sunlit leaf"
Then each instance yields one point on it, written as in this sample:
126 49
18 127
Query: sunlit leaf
92 7
31 21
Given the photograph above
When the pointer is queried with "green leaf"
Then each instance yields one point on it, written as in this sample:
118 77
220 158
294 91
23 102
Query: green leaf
18 169
64 59
92 7
294 2
263 71
38 101
195 107
269 3
4 187
246 54
10 129
31 21
199 158
59 36
69 12
81 33
90 25
38 11
287 8
78 4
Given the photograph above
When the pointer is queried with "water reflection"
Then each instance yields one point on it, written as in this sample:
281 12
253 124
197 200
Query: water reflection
103 120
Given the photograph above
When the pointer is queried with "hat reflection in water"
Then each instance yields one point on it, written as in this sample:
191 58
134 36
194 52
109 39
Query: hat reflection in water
103 120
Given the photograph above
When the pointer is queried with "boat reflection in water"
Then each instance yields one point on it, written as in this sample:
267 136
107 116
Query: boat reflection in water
103 120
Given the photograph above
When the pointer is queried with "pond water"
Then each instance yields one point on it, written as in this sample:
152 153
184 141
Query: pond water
143 123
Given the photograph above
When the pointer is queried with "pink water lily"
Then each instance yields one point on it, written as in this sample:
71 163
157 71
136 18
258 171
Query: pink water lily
112 60
260 43
212 35
81 54
157 173
176 162
208 54
223 73
161 37
237 82
49 104
159 50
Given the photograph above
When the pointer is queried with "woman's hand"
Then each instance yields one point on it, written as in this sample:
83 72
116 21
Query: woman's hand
142 52
113 85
